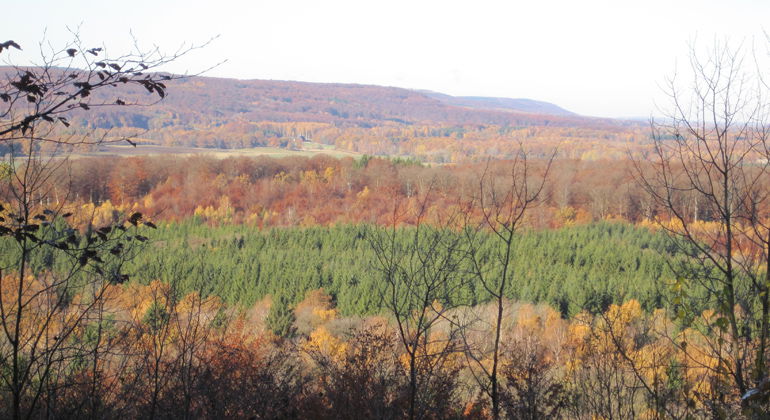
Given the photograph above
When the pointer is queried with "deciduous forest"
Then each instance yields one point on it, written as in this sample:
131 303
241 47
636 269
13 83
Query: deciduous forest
468 260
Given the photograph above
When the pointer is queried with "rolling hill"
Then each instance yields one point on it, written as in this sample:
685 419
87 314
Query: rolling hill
207 112
521 105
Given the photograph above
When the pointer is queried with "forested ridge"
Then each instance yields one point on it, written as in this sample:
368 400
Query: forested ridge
234 114
218 100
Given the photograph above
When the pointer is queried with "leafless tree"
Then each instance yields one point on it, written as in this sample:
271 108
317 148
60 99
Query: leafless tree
365 382
39 320
506 192
708 172
421 268
532 390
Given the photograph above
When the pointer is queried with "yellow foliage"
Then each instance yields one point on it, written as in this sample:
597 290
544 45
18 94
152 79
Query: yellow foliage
282 176
580 328
626 313
321 340
101 215
309 177
223 213
148 202
363 194
325 314
566 216
328 174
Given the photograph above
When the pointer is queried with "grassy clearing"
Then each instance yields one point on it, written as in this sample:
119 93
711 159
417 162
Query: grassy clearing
312 149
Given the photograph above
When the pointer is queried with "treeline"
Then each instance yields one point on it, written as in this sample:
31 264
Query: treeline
432 143
322 190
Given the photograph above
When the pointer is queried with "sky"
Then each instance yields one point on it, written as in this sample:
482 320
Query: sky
593 57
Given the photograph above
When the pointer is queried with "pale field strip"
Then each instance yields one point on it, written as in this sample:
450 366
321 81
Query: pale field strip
144 149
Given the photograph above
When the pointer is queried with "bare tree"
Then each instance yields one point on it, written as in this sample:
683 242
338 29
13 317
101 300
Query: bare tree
38 318
506 192
422 270
366 381
532 390
708 172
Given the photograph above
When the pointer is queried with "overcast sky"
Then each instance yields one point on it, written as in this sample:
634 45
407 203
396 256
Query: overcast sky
593 57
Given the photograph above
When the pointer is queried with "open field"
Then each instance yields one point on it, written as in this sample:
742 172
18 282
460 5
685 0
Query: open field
153 150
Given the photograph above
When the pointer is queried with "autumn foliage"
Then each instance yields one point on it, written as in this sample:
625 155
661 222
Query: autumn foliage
154 351
299 191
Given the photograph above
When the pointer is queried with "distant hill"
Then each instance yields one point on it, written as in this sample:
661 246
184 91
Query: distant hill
363 105
221 100
204 100
207 112
529 106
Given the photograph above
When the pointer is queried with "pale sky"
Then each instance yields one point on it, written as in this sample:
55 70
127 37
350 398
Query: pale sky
593 57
